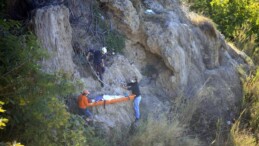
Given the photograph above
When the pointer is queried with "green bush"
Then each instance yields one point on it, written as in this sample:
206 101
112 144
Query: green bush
115 41
112 39
3 120
34 100
238 20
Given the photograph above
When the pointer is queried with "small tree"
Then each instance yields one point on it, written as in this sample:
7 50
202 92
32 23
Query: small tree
35 100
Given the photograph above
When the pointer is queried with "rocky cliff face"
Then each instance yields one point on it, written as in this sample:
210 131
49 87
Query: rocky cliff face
171 55
57 40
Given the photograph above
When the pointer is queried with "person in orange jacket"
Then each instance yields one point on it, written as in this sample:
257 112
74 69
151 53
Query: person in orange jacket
82 102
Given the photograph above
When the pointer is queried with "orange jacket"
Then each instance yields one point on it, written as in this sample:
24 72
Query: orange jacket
82 101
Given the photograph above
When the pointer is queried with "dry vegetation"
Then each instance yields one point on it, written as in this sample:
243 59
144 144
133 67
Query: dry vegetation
243 55
204 23
172 129
161 132
242 137
246 129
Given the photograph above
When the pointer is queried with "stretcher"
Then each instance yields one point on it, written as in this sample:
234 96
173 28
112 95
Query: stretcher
109 99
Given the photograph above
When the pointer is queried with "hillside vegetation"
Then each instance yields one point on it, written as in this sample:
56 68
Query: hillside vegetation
32 103
33 108
246 129
238 20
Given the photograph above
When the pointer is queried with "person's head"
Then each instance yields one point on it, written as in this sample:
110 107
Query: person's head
104 50
133 79
85 92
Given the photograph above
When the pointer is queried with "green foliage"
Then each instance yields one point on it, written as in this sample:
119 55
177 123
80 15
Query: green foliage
111 38
201 6
236 14
230 15
3 121
77 135
2 6
238 20
115 41
33 99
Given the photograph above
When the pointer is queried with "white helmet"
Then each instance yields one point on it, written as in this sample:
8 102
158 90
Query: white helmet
104 50
133 79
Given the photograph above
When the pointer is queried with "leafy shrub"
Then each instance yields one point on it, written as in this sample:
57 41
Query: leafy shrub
3 120
238 20
33 99
111 38
115 41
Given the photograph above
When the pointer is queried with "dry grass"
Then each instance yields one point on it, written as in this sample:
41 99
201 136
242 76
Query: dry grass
210 131
242 137
165 131
204 23
162 132
245 131
246 58
186 107
172 129
176 131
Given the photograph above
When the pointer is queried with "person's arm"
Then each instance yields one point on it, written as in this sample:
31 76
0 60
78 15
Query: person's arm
90 52
129 86
88 55
103 60
86 101
125 86
103 65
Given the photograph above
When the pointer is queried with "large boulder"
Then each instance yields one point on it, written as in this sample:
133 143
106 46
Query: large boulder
52 27
195 54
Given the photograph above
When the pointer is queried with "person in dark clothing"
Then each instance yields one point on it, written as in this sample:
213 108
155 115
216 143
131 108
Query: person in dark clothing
134 87
98 61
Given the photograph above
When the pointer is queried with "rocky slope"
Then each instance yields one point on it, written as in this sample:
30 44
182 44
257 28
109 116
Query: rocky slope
173 57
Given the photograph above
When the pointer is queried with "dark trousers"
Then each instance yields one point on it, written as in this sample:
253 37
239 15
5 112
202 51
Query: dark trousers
99 69
86 112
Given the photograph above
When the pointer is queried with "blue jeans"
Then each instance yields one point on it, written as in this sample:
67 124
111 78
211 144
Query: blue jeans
85 112
136 106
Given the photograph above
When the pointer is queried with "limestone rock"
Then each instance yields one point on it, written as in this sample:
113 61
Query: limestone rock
171 56
53 29
126 14
196 57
